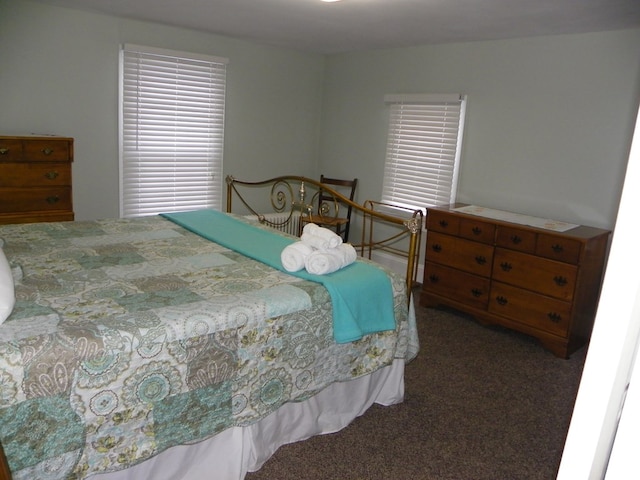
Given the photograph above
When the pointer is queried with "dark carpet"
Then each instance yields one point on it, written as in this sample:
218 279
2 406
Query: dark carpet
481 403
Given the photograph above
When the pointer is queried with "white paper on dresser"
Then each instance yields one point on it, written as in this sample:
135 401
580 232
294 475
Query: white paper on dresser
555 225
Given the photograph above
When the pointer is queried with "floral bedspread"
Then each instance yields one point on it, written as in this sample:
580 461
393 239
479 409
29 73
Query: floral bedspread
130 336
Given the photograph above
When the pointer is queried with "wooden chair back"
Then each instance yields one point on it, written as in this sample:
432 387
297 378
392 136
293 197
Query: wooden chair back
340 223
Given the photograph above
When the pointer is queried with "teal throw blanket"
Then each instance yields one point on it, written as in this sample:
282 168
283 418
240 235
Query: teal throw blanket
361 294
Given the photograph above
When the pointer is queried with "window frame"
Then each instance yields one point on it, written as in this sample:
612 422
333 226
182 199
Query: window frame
170 160
421 146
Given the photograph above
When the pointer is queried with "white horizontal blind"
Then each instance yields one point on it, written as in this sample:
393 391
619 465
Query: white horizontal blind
423 149
172 131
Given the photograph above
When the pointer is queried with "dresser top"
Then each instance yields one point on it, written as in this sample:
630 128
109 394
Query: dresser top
33 136
531 221
525 221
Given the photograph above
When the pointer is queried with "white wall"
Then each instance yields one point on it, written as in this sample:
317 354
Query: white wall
59 75
548 122
548 126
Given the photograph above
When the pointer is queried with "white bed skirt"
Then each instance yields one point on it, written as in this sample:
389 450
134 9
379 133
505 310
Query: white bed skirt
236 451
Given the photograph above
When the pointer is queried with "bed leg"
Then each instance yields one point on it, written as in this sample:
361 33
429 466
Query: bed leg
5 474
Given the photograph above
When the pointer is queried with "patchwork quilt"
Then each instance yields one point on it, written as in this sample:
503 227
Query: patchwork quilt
130 336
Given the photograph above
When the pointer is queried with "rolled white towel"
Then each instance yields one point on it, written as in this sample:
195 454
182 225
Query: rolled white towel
314 241
332 237
330 260
294 255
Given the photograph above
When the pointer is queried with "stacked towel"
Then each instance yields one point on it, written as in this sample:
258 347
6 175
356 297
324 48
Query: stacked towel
319 250
294 255
314 241
320 237
321 262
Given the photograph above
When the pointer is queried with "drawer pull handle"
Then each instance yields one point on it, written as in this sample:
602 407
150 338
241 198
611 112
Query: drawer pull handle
501 300
436 248
51 175
515 239
506 266
560 281
4 151
433 278
476 230
554 317
557 248
53 199
47 151
476 292
443 223
480 260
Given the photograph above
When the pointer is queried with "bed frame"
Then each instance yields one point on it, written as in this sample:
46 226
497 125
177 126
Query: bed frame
291 199
5 474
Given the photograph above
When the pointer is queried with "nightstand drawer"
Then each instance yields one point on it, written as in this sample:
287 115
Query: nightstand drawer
531 309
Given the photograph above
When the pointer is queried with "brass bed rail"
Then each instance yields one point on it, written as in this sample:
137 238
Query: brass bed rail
296 195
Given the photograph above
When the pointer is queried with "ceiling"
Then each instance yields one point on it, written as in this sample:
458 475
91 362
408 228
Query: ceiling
353 25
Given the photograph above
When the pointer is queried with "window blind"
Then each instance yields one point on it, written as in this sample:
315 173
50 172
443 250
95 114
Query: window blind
423 149
172 130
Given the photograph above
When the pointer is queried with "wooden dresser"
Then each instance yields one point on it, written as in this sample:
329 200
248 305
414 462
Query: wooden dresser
533 279
35 179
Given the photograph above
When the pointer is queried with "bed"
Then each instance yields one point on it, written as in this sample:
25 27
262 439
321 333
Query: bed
159 347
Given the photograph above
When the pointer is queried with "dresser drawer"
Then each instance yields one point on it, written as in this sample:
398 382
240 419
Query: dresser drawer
47 151
10 150
472 257
35 199
34 174
528 308
457 285
544 276
444 222
558 248
477 230
516 238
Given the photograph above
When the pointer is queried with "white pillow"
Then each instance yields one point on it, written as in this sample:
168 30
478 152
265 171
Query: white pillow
7 292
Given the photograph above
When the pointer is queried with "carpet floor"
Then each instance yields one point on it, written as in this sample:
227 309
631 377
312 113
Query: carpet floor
481 403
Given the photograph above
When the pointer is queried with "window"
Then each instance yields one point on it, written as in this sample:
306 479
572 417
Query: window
171 131
423 149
